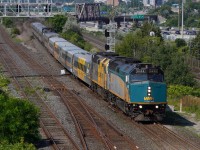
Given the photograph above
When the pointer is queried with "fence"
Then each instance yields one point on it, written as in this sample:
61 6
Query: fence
192 62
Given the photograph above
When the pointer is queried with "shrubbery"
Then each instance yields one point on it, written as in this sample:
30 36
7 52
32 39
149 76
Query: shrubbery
15 31
178 91
190 104
19 119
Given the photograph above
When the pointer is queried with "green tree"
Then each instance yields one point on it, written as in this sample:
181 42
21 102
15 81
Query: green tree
7 22
180 42
15 31
3 81
148 27
4 145
195 46
165 11
57 22
178 72
18 119
77 39
163 54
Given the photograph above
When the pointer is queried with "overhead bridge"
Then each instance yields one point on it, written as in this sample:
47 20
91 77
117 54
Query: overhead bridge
28 8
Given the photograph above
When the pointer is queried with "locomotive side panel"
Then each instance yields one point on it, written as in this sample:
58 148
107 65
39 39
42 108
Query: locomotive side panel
118 87
81 66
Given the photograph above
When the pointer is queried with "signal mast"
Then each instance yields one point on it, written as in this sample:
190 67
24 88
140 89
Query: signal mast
110 31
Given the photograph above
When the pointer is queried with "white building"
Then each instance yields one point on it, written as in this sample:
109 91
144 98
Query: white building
100 1
148 3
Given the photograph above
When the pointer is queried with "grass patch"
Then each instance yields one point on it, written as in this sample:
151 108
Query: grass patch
17 40
4 81
189 104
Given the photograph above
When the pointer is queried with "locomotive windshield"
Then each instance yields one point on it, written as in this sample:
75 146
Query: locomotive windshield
153 74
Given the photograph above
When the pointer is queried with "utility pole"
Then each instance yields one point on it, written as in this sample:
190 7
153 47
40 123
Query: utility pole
178 15
182 22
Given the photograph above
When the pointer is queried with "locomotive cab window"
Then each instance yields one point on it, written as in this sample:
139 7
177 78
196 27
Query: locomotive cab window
147 74
155 77
138 77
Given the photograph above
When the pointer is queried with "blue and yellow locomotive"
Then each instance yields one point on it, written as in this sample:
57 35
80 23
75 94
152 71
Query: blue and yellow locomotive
138 89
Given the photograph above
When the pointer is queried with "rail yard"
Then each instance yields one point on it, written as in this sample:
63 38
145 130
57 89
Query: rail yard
72 116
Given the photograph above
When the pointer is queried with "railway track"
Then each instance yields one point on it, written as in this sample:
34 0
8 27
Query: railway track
165 138
92 129
100 44
52 128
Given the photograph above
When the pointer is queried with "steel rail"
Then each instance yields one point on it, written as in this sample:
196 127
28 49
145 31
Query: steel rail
14 71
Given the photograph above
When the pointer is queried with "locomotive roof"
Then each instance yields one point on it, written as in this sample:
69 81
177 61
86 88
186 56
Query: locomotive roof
56 39
123 64
72 52
106 54
98 55
50 34
85 55
70 48
39 26
63 44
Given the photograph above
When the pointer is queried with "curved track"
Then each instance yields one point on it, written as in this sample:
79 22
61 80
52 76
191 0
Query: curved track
52 128
165 138
93 130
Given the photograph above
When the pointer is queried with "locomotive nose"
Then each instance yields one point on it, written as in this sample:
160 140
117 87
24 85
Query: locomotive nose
148 91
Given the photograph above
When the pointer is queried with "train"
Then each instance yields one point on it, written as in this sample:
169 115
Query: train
137 88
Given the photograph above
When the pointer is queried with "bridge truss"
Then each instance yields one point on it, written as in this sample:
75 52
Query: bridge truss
88 11
28 8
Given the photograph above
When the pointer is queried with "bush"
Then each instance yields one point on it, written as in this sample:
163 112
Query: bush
180 42
17 146
3 81
15 31
178 91
18 119
7 22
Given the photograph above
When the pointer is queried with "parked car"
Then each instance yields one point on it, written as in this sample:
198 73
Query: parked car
166 33
191 32
177 32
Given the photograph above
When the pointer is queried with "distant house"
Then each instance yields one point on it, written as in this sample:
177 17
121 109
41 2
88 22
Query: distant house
100 1
108 2
113 2
175 5
154 3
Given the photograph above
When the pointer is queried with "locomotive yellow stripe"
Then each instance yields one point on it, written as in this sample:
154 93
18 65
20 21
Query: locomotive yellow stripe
56 46
56 55
101 73
106 68
81 63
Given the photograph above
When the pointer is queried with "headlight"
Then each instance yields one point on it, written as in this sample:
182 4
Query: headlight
157 106
149 91
140 106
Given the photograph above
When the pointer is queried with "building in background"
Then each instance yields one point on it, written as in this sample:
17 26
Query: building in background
100 1
113 2
153 3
